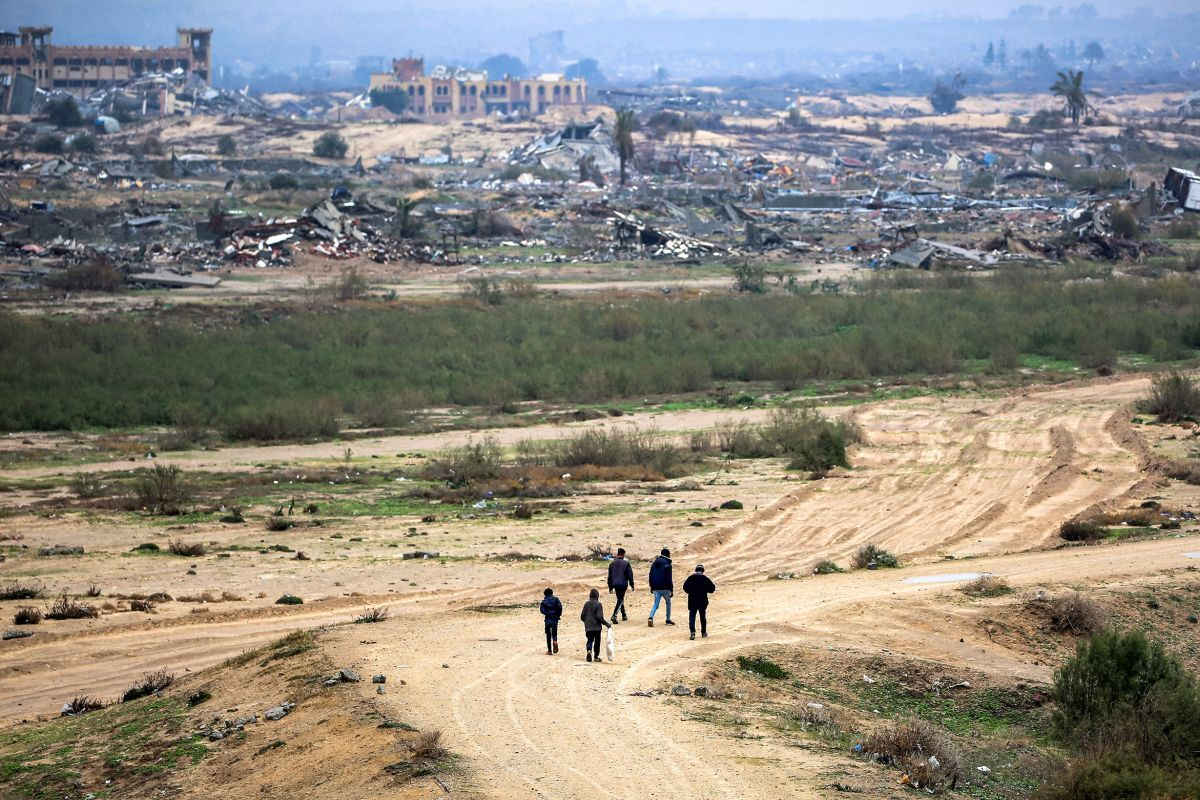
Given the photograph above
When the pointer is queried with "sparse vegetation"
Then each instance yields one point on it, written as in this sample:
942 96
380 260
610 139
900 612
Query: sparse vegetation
986 586
27 615
151 683
180 548
925 753
19 591
226 146
289 600
330 144
826 567
1075 530
428 746
49 143
163 490
373 614
762 666
1173 398
81 704
66 608
870 554
1076 614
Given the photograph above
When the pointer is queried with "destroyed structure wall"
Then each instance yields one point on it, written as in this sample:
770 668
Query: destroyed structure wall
473 95
83 67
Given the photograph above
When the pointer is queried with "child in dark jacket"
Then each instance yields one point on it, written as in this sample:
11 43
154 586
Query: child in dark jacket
552 610
593 621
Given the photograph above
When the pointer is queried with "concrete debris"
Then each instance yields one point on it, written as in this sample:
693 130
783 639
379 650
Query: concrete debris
278 712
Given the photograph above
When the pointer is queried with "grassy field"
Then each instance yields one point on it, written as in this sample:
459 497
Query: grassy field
261 369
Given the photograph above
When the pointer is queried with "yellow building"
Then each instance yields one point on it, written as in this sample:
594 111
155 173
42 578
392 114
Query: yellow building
447 94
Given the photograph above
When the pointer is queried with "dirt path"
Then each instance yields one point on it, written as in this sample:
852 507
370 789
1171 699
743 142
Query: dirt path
984 480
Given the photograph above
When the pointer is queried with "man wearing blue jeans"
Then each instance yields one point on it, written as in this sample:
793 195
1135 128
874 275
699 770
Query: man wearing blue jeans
661 585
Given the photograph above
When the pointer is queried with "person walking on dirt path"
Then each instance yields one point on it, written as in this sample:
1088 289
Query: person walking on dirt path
698 587
593 620
551 609
620 580
661 585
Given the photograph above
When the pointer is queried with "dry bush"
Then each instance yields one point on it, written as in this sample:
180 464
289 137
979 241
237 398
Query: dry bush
93 591
1075 530
910 745
1186 470
599 552
428 746
163 490
826 567
66 608
150 683
27 616
867 553
17 591
1173 398
986 586
1077 615
374 614
1133 517
82 705
144 606
181 548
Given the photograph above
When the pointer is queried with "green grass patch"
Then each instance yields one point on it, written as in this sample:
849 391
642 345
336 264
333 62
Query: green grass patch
762 666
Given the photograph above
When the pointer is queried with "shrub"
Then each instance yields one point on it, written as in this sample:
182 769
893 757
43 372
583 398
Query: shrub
1120 776
289 600
226 146
152 146
1125 224
869 553
374 614
199 696
18 591
1124 692
732 505
147 547
428 746
64 112
144 606
93 591
803 436
330 145
180 548
86 485
163 490
1076 614
97 274
350 285
826 567
461 466
151 683
282 180
931 760
1074 530
48 143
27 615
279 523
283 420
986 586
1173 398
760 665
66 608
83 143
749 278
81 705
394 100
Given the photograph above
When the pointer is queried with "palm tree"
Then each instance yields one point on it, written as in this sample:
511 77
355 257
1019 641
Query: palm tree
623 135
1069 87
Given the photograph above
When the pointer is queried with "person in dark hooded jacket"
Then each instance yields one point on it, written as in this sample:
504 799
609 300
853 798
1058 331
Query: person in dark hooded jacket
698 587
593 621
620 580
552 610
661 584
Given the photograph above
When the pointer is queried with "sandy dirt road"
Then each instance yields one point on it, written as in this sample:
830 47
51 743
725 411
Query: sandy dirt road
984 480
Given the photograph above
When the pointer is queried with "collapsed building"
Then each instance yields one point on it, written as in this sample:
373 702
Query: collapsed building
457 93
30 61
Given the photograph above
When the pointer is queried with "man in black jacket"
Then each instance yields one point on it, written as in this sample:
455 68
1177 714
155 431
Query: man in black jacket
620 580
552 611
661 585
698 587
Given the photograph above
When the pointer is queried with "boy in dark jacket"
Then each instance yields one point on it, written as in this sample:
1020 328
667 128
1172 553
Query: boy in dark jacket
551 609
620 580
661 584
593 620
698 587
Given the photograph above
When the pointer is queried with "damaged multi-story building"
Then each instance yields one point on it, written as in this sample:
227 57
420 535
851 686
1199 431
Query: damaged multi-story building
29 60
449 94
